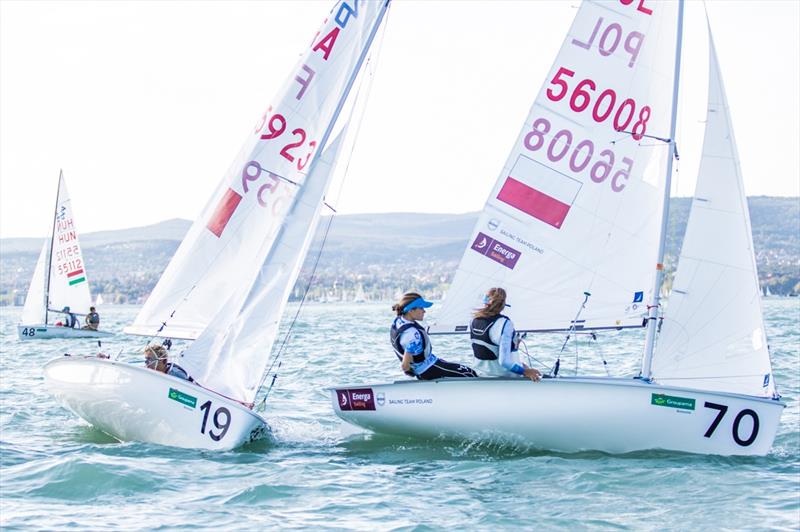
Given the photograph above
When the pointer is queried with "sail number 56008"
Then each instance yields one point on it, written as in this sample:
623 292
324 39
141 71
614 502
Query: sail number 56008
604 104
560 145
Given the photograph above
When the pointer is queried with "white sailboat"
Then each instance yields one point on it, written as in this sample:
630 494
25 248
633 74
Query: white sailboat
60 285
579 211
228 283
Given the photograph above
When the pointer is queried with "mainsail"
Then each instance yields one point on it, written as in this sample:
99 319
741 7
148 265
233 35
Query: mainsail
238 227
713 335
228 283
578 204
68 284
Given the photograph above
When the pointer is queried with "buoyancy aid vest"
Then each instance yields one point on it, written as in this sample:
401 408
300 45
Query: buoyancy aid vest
396 332
482 346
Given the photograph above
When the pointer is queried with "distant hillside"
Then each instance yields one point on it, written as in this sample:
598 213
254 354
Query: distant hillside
174 229
363 255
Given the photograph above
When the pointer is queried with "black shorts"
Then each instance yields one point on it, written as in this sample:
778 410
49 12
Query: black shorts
442 368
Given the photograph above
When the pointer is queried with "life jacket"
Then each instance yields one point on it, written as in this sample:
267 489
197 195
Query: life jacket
482 346
177 371
396 332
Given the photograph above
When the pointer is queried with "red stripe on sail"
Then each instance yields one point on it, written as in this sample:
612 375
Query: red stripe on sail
73 274
531 201
224 211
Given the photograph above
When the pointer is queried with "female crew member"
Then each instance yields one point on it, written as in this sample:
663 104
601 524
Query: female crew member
412 345
493 344
155 357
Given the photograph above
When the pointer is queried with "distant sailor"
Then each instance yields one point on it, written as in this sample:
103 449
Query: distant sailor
412 345
70 320
493 340
92 320
155 357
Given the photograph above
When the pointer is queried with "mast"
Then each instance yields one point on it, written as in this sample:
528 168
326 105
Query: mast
652 311
324 142
50 249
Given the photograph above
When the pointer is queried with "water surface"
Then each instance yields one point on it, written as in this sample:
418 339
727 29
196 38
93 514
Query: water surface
317 472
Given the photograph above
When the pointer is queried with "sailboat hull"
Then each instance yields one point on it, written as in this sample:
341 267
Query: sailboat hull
566 414
132 403
45 332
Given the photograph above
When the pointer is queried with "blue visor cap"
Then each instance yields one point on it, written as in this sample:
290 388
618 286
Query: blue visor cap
417 303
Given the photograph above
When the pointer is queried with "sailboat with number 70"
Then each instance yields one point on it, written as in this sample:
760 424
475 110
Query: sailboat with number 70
577 220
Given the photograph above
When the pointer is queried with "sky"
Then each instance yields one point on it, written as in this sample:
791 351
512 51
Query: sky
144 104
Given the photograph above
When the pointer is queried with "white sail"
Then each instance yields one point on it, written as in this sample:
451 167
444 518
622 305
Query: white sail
713 335
236 230
68 285
578 204
33 312
269 230
248 338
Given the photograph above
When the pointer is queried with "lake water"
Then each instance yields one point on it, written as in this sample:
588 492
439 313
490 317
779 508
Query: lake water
316 472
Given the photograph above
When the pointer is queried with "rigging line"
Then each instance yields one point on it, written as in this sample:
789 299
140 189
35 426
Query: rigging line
356 132
276 358
524 349
50 249
570 331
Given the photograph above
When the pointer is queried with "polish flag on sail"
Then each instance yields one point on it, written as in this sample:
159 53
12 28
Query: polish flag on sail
539 191
223 212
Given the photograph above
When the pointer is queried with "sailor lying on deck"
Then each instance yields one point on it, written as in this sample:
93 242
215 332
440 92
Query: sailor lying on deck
155 357
493 342
412 345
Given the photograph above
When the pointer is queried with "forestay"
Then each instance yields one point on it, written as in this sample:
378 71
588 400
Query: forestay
578 204
67 285
712 335
237 228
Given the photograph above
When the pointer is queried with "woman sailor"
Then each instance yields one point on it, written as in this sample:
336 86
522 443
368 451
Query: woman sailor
412 345
493 340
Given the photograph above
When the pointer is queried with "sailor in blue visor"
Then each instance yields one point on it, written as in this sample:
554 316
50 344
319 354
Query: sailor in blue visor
412 345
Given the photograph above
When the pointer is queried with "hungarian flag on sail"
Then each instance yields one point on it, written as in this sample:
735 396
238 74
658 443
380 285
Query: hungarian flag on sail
539 191
76 277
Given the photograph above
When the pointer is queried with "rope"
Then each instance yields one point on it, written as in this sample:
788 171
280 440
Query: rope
276 358
571 329
294 320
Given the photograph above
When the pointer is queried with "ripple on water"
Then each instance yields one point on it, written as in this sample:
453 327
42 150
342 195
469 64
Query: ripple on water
314 471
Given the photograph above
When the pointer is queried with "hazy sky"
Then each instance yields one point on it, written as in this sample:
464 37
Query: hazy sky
144 104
